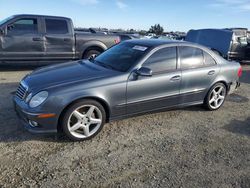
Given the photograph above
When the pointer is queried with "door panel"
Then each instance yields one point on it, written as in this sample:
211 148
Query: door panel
59 41
59 46
196 82
151 93
199 70
23 41
162 89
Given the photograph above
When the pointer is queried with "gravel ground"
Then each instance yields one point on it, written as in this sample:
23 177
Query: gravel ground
180 148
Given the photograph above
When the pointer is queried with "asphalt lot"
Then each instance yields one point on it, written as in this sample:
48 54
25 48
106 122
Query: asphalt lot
180 148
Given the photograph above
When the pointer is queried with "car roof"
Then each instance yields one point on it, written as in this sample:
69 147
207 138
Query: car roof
155 42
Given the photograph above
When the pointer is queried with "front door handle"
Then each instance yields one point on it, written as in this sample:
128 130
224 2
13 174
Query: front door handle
37 39
176 78
212 72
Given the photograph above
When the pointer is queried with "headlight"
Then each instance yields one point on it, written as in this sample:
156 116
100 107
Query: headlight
28 98
38 99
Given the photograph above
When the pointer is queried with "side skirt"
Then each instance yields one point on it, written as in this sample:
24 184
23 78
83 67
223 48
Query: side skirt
156 110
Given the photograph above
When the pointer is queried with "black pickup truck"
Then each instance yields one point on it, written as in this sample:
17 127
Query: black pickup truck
37 39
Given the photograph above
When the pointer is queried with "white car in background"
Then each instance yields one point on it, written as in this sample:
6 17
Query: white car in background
149 35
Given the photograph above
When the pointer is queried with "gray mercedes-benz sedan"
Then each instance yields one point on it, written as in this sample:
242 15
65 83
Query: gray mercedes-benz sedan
129 79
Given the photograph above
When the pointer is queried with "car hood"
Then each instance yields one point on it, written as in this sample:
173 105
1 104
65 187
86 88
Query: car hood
66 73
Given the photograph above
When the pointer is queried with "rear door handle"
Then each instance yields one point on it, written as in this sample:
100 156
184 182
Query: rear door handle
212 72
176 78
37 39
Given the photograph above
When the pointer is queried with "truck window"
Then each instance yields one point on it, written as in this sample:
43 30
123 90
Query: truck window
55 26
23 26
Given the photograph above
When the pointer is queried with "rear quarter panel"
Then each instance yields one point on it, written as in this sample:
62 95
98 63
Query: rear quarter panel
228 72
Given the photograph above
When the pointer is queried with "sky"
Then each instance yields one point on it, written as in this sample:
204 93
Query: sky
173 15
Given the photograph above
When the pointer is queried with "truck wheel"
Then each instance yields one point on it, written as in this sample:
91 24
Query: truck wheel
91 54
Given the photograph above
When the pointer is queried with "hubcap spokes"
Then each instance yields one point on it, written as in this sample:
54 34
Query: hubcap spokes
217 97
85 121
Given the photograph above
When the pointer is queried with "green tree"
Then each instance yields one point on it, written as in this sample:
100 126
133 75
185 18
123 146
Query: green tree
143 32
156 29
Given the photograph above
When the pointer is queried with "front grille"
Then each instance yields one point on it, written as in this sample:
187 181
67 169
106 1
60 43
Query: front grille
21 91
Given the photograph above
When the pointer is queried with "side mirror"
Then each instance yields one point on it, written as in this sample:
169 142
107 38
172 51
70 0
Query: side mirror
144 71
10 27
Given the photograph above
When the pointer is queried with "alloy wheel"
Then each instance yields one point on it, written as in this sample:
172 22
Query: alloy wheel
84 121
217 97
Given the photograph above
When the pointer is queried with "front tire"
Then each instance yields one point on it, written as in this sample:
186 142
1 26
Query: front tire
215 97
83 120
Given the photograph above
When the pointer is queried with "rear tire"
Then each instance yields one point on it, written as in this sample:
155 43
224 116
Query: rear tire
83 120
92 53
215 97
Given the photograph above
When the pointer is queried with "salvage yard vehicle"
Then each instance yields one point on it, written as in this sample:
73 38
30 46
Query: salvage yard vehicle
36 39
248 47
230 43
131 78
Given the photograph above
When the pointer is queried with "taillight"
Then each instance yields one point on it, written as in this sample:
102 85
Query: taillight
117 40
240 72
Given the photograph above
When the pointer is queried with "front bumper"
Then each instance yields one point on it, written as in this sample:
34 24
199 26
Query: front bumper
26 116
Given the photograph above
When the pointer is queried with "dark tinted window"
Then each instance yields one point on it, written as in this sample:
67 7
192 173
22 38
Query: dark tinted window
208 59
54 26
191 57
122 56
162 60
23 26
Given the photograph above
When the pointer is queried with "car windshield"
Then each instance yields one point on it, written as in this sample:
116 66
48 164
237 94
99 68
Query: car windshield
121 57
5 20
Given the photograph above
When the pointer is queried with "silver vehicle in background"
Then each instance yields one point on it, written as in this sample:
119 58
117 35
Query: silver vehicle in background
131 78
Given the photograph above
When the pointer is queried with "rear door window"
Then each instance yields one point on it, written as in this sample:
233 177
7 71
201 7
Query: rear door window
191 57
56 26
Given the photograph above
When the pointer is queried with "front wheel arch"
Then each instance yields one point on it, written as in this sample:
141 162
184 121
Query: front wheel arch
101 101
